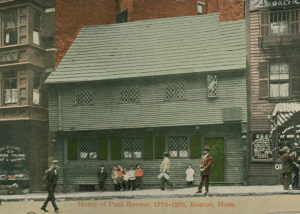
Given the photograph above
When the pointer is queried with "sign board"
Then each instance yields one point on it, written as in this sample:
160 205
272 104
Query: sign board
260 4
8 56
261 147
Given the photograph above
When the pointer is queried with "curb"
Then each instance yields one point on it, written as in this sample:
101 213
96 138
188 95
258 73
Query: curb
74 198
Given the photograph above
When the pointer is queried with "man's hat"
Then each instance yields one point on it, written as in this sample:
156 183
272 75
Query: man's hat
166 154
206 148
54 162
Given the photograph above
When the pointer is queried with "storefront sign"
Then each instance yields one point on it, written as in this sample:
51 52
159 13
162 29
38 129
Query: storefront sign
259 4
8 56
261 147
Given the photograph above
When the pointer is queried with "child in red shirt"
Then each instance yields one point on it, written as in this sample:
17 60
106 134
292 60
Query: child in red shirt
138 174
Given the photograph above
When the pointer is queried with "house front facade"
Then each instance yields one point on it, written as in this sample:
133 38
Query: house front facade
274 84
126 93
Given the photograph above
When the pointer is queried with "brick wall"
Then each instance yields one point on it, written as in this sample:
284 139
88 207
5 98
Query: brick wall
71 15
231 10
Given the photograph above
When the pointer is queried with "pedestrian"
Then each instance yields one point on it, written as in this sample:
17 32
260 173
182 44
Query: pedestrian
189 175
125 179
121 182
102 175
205 164
131 175
115 177
50 179
287 161
165 170
295 167
138 175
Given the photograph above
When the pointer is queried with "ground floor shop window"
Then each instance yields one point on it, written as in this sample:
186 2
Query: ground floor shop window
261 147
178 146
131 147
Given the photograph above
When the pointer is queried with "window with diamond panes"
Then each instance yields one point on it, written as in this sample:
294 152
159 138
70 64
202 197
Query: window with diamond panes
178 146
175 90
132 147
83 96
87 147
212 86
129 94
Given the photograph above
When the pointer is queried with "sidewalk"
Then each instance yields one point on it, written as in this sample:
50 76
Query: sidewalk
156 193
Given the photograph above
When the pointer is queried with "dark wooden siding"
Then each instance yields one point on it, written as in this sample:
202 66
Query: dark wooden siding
152 110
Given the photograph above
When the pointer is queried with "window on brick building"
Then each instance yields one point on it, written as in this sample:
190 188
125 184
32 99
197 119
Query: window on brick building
279 22
36 88
279 79
121 16
200 7
10 87
10 27
36 28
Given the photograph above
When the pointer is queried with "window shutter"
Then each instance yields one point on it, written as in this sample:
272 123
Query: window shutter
72 149
263 69
195 146
265 23
116 148
160 142
102 149
148 147
295 77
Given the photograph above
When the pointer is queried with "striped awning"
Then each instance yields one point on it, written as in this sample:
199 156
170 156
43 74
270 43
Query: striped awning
282 113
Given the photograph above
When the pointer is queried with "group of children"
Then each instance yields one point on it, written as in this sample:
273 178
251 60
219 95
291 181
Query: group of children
123 179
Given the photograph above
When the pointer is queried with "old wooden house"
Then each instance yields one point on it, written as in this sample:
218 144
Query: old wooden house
125 93
26 57
274 83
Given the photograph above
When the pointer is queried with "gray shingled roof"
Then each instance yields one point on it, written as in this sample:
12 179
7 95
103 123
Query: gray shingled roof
190 44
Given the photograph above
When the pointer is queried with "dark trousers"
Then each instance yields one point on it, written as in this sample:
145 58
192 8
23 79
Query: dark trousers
139 182
101 186
189 183
295 178
50 197
286 180
164 181
204 178
131 185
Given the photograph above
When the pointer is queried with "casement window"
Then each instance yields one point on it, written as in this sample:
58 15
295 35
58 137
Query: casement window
88 147
261 146
279 79
178 146
131 147
121 16
36 28
36 88
129 94
10 87
83 95
10 27
175 90
212 86
279 23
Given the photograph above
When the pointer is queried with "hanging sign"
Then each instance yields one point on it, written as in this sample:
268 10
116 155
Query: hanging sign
259 4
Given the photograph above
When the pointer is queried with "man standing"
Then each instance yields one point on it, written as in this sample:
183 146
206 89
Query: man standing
205 164
286 160
165 170
102 177
50 178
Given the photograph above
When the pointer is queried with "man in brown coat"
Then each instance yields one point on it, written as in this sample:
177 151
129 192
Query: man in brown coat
205 165
286 160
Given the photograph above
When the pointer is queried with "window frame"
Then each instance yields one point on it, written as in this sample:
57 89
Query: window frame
202 4
4 29
84 90
279 81
215 76
175 87
38 29
177 146
136 140
92 140
132 93
11 75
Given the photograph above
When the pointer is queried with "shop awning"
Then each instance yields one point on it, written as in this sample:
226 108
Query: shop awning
282 113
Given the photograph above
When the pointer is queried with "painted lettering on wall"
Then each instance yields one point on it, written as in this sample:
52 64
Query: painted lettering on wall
8 56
